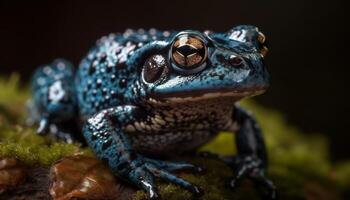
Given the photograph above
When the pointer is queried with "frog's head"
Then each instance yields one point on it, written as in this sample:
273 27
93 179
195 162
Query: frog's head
59 105
198 66
60 101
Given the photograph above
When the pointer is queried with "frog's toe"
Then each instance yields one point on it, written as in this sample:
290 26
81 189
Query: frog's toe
245 168
143 176
166 176
43 128
252 168
175 166
147 184
144 179
270 191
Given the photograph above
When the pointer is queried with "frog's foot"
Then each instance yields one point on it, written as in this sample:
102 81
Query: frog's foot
252 168
60 135
146 170
55 131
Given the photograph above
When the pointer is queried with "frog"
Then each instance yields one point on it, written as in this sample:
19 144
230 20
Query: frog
140 96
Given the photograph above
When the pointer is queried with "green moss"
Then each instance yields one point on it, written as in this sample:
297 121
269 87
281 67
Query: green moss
290 147
35 154
19 141
341 173
30 148
12 99
296 159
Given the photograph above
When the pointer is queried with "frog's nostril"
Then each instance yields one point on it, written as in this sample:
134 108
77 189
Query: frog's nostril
236 61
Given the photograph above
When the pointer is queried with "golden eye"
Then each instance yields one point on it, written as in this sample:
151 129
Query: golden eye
188 51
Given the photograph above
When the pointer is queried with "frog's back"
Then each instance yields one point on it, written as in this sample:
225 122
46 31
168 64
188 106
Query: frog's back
103 78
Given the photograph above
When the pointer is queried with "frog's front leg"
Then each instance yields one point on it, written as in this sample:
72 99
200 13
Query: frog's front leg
251 159
105 132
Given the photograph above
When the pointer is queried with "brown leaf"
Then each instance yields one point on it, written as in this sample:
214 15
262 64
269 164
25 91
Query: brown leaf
82 177
12 173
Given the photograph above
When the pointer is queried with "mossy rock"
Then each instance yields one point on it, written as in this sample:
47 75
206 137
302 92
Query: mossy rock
299 162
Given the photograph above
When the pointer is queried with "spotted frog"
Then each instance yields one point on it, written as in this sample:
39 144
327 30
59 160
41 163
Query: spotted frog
140 95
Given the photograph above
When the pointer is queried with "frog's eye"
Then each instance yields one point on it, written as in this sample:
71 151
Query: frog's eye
188 51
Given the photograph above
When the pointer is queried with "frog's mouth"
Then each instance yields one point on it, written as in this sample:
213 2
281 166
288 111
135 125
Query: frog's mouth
192 96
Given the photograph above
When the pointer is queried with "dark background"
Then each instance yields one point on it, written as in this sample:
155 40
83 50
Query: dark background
308 42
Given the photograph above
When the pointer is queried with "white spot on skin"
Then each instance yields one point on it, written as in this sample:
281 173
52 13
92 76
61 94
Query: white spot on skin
47 70
111 36
41 81
166 33
123 55
141 31
114 48
238 35
152 31
61 66
97 120
91 56
128 32
56 92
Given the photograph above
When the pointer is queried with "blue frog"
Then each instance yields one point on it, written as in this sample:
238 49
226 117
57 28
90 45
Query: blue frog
142 94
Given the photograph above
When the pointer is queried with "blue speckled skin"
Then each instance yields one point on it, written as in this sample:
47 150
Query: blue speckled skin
145 93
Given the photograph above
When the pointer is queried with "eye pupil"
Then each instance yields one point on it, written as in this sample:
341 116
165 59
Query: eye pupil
186 50
153 68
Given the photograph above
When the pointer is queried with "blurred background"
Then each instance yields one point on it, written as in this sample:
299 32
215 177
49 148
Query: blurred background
308 46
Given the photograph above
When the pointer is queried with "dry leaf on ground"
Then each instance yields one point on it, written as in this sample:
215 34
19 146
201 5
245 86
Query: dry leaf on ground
82 177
